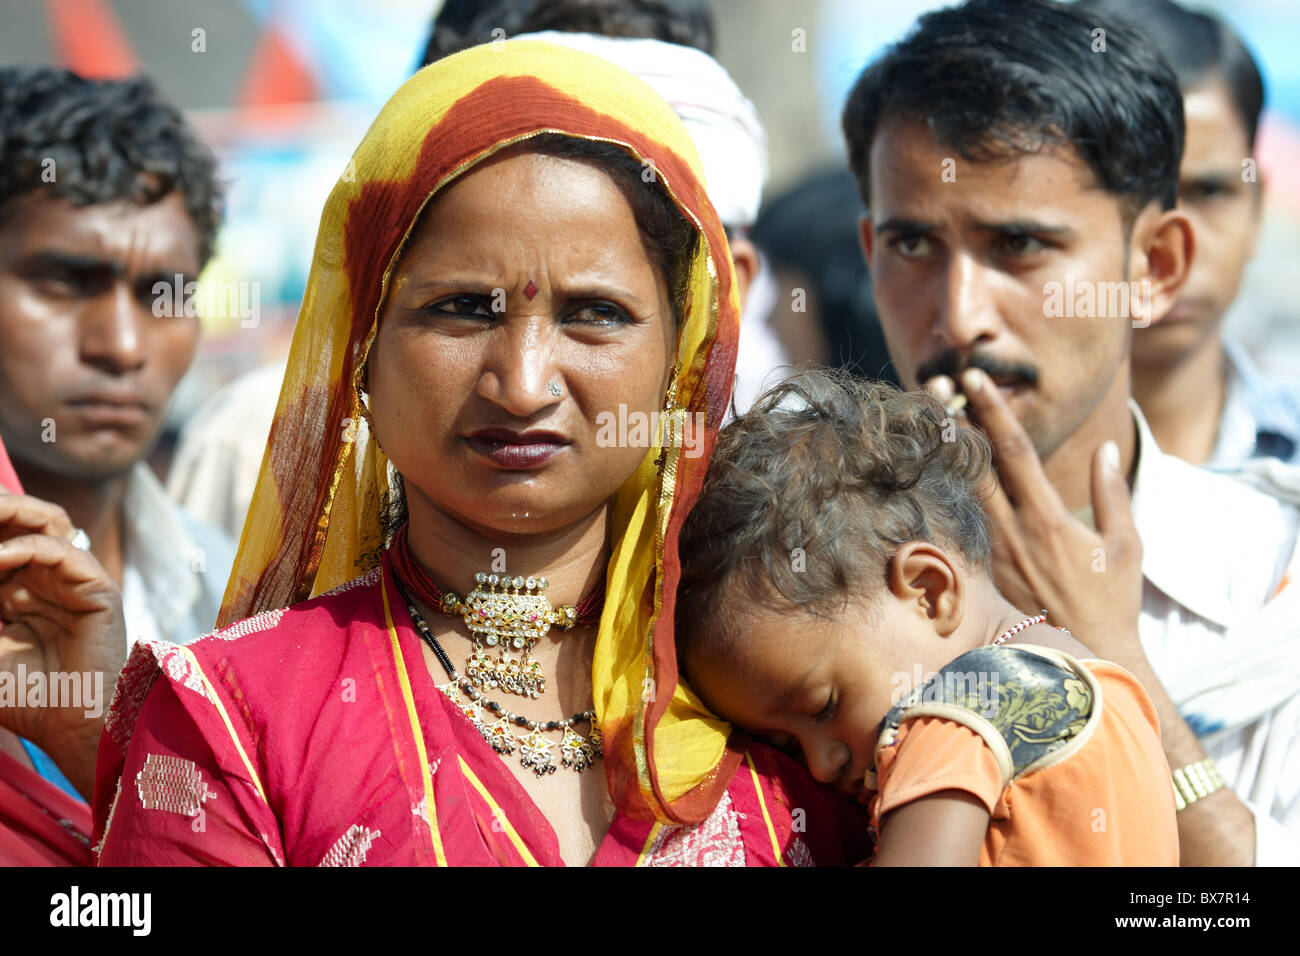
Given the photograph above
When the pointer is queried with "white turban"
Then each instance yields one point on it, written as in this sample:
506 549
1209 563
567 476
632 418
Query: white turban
723 124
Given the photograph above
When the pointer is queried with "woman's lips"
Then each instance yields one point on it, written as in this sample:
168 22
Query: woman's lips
517 452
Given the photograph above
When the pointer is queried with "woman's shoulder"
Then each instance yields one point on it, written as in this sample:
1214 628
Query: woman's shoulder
271 655
280 632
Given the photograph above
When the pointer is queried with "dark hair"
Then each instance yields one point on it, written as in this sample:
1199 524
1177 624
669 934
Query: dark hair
109 140
812 228
845 470
994 77
1198 46
465 23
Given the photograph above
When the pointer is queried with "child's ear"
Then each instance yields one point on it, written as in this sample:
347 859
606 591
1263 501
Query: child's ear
922 576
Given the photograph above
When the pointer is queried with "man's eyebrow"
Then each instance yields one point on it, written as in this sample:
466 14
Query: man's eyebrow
1025 227
905 225
1216 176
74 262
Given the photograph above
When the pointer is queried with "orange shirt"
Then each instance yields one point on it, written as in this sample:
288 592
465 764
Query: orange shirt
1109 803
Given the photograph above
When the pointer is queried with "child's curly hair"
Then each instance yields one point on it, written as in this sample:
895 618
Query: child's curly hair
813 490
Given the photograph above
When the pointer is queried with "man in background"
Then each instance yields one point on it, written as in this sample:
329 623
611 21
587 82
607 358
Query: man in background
106 197
1202 396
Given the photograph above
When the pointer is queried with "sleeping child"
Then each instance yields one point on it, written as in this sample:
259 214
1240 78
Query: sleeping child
837 601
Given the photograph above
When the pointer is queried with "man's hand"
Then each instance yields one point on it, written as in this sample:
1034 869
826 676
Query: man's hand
1090 582
60 613
1045 558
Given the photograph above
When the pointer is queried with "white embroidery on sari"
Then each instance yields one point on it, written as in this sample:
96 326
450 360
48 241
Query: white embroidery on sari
799 854
370 577
180 667
714 842
138 675
351 848
262 621
172 784
421 809
108 824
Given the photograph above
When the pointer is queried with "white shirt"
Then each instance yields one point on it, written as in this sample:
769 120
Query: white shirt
219 455
175 567
1214 553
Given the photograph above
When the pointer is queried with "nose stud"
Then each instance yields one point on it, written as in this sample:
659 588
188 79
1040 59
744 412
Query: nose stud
554 388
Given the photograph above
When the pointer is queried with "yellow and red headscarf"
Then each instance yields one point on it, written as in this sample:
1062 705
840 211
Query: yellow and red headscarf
314 522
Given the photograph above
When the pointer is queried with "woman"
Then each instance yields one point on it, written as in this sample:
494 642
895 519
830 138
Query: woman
523 273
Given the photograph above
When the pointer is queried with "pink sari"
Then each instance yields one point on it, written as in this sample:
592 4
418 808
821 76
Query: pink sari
40 825
315 736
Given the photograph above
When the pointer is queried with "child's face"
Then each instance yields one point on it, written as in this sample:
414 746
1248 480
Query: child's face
814 683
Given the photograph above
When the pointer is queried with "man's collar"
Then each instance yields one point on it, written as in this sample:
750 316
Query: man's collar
1201 532
160 548
1271 406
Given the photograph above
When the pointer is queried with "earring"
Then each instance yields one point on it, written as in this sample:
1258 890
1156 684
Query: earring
670 408
365 413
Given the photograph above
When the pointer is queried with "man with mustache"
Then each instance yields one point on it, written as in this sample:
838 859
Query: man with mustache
105 193
1019 162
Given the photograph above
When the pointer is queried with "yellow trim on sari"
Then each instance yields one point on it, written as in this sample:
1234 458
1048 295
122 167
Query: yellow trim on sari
225 719
408 698
762 805
498 814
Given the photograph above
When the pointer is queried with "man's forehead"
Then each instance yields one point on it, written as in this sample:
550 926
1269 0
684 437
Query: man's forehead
1215 134
120 231
912 174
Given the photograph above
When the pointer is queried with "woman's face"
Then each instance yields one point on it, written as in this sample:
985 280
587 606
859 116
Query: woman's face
525 277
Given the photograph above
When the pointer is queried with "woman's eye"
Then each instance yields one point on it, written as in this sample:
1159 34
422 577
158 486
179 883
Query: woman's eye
599 313
463 305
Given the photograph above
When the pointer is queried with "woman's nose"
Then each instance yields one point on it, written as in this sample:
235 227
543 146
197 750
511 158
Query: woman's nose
520 368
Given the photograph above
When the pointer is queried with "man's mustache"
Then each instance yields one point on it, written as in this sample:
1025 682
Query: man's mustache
952 363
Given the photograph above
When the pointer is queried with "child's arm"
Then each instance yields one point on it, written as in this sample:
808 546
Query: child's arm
942 829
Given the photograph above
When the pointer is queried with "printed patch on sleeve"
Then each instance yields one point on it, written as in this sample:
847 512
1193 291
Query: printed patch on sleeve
172 784
351 848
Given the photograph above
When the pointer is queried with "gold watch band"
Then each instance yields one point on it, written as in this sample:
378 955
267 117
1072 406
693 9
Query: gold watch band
1195 782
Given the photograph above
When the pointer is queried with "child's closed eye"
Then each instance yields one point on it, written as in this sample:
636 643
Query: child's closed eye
826 712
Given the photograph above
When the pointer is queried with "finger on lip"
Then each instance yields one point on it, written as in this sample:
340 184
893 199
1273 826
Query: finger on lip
941 387
980 390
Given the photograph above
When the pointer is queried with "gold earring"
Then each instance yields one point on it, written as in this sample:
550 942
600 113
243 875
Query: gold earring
667 419
365 413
